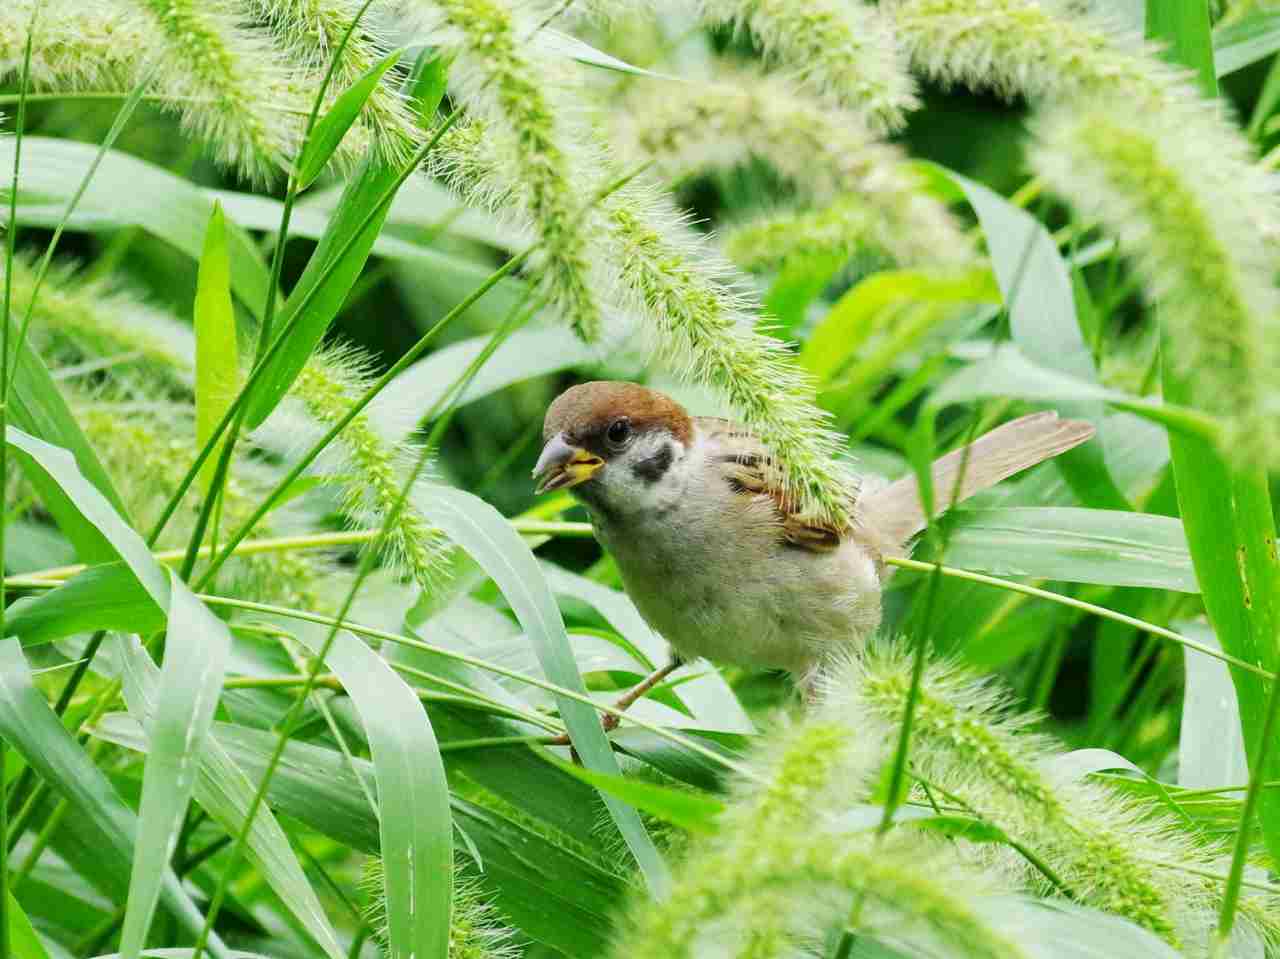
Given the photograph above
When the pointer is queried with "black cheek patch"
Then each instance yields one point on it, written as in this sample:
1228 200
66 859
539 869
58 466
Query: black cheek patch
655 467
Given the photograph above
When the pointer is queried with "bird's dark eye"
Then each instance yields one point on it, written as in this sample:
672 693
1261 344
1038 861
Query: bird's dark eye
619 432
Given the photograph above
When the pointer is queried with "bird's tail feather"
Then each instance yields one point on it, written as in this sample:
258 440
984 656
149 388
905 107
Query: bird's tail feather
895 512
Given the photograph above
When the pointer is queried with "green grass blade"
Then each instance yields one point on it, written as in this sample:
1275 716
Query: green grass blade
1107 547
1238 45
696 812
1210 749
87 517
333 126
325 283
416 827
481 531
224 790
1006 371
1227 513
22 937
217 354
32 728
195 661
1044 323
107 596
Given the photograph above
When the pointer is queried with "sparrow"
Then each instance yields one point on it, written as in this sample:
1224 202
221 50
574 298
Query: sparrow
710 549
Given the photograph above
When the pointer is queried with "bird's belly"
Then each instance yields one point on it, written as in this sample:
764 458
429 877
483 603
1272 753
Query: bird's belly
788 612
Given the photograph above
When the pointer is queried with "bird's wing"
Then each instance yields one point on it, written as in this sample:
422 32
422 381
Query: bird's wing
751 470
895 512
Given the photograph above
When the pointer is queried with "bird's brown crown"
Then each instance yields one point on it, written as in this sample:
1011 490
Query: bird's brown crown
585 411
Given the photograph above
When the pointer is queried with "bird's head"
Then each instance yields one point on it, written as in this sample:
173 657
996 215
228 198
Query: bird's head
611 442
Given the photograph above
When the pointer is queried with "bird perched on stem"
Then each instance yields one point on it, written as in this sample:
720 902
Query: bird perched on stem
711 551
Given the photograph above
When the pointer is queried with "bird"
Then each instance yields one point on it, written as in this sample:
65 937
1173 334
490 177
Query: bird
711 550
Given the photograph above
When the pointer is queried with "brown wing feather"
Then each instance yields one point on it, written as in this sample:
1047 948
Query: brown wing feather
750 468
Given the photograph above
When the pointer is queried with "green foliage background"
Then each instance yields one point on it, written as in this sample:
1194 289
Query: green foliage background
301 693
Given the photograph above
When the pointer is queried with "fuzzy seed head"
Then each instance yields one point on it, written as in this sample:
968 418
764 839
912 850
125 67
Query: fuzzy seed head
844 53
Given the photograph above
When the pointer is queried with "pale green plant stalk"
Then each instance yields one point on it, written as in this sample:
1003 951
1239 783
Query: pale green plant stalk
842 52
252 102
1168 199
506 81
1106 851
828 155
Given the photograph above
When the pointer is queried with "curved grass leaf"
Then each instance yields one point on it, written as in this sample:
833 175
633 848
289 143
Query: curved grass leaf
106 537
1210 743
224 791
33 729
696 812
126 191
1108 547
546 890
217 354
107 596
1044 321
333 126
195 661
1007 371
481 531
416 828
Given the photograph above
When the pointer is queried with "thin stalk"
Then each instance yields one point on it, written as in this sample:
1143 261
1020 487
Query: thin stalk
904 563
9 252
1239 858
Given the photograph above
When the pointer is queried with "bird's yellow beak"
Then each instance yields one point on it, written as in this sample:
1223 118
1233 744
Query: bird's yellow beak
563 465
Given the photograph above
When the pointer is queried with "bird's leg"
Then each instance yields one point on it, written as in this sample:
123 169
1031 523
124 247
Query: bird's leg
641 689
637 691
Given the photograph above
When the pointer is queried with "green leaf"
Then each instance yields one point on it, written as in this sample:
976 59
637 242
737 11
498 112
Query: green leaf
217 354
1184 26
195 661
22 937
696 812
429 83
416 829
107 596
33 729
797 284
481 531
857 314
1227 513
124 192
1238 45
1044 322
1006 371
526 353
225 792
1211 749
325 283
329 130
1109 547
546 890
96 523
